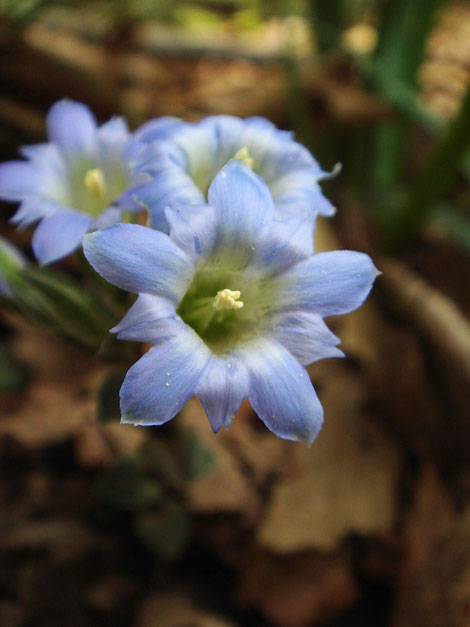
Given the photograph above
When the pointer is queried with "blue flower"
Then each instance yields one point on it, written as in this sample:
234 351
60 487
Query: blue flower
74 183
11 261
232 302
183 159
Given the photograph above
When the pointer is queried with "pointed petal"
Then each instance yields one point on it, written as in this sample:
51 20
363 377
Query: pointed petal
33 209
298 192
20 179
72 126
47 156
243 203
148 320
329 284
112 138
59 234
221 390
281 392
305 336
139 260
164 379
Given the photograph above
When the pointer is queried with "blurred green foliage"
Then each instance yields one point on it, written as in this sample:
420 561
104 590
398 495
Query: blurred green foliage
150 487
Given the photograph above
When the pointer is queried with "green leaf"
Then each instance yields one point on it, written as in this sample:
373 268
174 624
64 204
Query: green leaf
197 458
158 459
166 532
13 375
56 300
327 21
108 396
403 33
435 177
454 224
126 487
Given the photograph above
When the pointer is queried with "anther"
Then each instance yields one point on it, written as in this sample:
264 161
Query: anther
244 155
227 299
94 180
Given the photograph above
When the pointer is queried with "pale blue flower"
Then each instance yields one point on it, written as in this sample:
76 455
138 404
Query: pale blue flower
183 159
233 306
74 183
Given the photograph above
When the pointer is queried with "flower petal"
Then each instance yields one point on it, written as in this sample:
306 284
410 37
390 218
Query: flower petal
148 320
221 390
59 234
305 336
243 203
192 228
33 209
72 126
47 156
284 243
139 259
158 129
173 186
19 179
298 192
164 379
329 283
112 136
281 392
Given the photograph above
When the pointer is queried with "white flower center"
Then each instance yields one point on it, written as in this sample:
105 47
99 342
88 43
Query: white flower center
227 299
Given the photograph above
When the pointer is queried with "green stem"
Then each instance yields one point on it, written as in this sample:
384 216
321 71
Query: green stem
434 179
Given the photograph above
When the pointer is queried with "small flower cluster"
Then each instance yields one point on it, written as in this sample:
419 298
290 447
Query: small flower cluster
230 293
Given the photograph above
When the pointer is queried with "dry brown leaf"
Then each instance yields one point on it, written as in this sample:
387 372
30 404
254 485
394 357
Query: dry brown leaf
439 592
91 448
431 518
65 538
262 454
60 401
224 487
344 484
298 590
176 610
438 318
46 417
124 439
108 593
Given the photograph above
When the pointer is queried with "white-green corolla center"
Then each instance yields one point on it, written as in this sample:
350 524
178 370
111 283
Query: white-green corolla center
93 189
225 318
203 170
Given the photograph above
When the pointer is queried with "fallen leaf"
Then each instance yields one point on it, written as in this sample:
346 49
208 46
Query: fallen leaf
65 538
224 487
176 610
439 592
297 590
430 519
344 484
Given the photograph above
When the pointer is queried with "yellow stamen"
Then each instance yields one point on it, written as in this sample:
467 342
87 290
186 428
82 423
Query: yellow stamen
227 299
244 155
94 180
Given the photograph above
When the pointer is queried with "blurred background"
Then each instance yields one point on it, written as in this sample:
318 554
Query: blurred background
102 524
